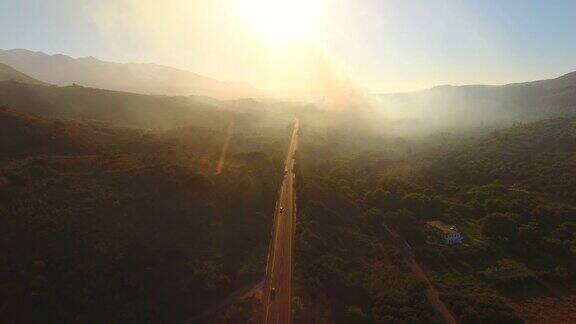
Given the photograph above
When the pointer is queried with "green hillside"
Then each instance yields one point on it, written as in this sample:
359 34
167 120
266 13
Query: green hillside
510 193
541 156
75 102
112 224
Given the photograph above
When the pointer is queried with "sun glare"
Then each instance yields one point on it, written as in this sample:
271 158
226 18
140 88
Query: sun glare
282 20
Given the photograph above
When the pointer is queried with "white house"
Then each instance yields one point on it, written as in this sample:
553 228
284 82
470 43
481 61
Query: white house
449 233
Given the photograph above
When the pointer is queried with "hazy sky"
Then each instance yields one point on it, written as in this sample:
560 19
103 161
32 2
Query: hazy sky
379 45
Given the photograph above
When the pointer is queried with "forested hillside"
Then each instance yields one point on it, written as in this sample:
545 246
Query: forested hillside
540 156
347 270
124 225
121 108
509 192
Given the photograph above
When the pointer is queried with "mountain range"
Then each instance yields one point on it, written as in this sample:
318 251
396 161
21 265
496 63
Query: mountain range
40 84
155 79
472 105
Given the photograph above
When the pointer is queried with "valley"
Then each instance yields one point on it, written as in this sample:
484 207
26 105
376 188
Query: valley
173 205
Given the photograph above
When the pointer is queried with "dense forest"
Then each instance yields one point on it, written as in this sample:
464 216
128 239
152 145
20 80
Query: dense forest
112 224
510 192
539 156
287 162
107 199
120 108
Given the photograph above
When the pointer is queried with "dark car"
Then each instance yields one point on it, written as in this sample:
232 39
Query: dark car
273 293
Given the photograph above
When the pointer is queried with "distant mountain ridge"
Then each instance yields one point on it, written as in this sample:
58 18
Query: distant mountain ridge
477 104
156 79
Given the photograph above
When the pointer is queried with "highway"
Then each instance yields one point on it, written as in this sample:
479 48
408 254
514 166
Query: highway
277 308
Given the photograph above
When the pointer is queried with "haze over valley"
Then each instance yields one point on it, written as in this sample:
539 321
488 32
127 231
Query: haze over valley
251 161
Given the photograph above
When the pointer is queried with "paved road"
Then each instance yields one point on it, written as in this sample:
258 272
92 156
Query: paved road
279 265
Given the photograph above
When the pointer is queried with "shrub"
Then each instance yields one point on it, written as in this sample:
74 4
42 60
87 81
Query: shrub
509 272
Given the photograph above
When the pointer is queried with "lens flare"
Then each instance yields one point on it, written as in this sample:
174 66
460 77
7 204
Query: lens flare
282 20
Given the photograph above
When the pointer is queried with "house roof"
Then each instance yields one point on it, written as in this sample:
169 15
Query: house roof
443 227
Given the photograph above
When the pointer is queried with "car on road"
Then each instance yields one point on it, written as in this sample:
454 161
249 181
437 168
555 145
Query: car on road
281 209
272 293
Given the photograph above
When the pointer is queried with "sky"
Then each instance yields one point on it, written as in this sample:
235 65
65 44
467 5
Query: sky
308 45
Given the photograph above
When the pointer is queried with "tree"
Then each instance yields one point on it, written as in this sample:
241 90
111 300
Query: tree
382 199
566 231
422 205
508 272
546 215
500 226
529 233
405 223
373 218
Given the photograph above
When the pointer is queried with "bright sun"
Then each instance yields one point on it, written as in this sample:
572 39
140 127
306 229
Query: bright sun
282 20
